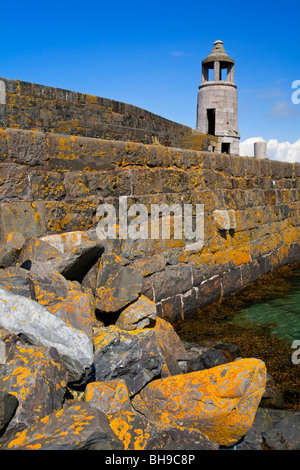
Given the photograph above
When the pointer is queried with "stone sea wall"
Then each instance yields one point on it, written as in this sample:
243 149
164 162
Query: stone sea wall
25 105
51 183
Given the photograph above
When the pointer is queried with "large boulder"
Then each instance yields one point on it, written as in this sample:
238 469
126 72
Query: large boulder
201 357
118 284
25 316
75 427
141 313
39 250
76 310
11 248
139 433
63 298
15 280
8 406
48 289
71 254
65 242
220 402
134 356
110 397
37 377
174 354
273 430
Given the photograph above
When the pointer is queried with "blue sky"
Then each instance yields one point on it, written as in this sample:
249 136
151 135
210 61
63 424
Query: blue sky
149 54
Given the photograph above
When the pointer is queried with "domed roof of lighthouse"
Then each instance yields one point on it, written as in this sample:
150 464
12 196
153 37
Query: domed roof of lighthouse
218 53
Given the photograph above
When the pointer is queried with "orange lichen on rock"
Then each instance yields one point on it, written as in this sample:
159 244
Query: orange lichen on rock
75 310
131 429
110 396
221 402
64 429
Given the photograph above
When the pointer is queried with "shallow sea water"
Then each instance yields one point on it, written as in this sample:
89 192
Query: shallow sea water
281 311
263 320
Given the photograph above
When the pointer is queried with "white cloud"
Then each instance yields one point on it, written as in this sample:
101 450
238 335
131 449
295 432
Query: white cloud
283 151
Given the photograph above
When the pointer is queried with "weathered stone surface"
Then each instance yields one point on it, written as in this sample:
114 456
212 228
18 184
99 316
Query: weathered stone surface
220 402
134 356
21 315
35 151
37 377
8 406
151 264
76 310
37 249
74 427
48 289
170 309
174 354
139 433
14 183
117 285
77 262
11 248
90 279
132 429
8 341
272 398
273 430
200 358
72 254
15 280
172 281
225 219
168 437
22 216
110 396
65 242
139 314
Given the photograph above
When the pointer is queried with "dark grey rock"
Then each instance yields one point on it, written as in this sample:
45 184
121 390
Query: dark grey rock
11 248
38 377
22 315
134 357
8 406
273 430
76 264
178 438
118 284
15 280
172 281
200 358
75 427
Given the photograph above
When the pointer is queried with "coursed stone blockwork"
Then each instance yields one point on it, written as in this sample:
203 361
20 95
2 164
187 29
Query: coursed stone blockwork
30 106
53 183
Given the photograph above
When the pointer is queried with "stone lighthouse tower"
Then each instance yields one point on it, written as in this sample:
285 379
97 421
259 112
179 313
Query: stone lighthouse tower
217 109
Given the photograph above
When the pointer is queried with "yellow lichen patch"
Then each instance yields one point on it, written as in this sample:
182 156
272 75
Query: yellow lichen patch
141 439
34 446
132 430
239 255
221 402
120 424
65 148
20 440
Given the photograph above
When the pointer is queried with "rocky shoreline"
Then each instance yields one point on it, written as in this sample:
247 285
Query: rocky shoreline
86 363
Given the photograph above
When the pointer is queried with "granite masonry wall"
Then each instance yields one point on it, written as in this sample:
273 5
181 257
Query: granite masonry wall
51 183
25 105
